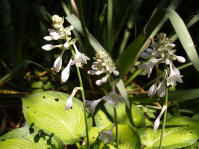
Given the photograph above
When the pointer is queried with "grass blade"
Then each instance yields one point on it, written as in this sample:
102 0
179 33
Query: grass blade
184 37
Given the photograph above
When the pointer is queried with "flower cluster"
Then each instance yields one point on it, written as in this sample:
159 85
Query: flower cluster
161 52
60 33
113 100
103 65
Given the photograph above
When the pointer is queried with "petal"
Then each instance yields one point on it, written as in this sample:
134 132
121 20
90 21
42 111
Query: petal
98 82
48 47
91 105
48 38
68 103
116 73
157 121
180 59
57 64
156 124
145 55
66 72
66 45
161 89
152 90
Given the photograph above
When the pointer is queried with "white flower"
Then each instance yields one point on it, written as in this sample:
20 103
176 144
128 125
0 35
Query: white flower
145 55
146 68
58 62
161 90
66 72
57 22
80 58
174 76
49 47
157 121
69 101
152 90
107 136
113 99
91 105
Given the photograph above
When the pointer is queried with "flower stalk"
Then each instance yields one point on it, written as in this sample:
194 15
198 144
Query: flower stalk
165 115
116 126
84 101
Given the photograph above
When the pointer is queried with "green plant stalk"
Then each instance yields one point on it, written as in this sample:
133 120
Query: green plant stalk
165 115
84 102
116 125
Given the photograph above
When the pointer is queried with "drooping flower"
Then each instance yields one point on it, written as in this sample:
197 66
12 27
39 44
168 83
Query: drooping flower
153 89
80 58
49 47
107 136
66 72
161 90
69 101
157 121
58 62
113 99
146 68
174 76
91 105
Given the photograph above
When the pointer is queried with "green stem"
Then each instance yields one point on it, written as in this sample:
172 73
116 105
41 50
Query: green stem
116 125
84 103
165 116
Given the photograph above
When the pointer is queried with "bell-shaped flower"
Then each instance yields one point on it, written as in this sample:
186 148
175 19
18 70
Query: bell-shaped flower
66 72
80 58
174 76
91 105
152 90
161 90
49 47
145 55
68 105
107 136
146 68
113 99
58 62
157 121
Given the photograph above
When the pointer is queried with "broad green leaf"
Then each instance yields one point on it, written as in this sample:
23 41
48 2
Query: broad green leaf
101 120
122 115
47 111
20 143
185 134
93 134
22 138
128 138
184 37
137 115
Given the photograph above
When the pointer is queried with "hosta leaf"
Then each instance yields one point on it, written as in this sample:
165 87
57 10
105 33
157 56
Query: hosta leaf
128 138
101 120
137 116
21 138
185 134
121 113
47 111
